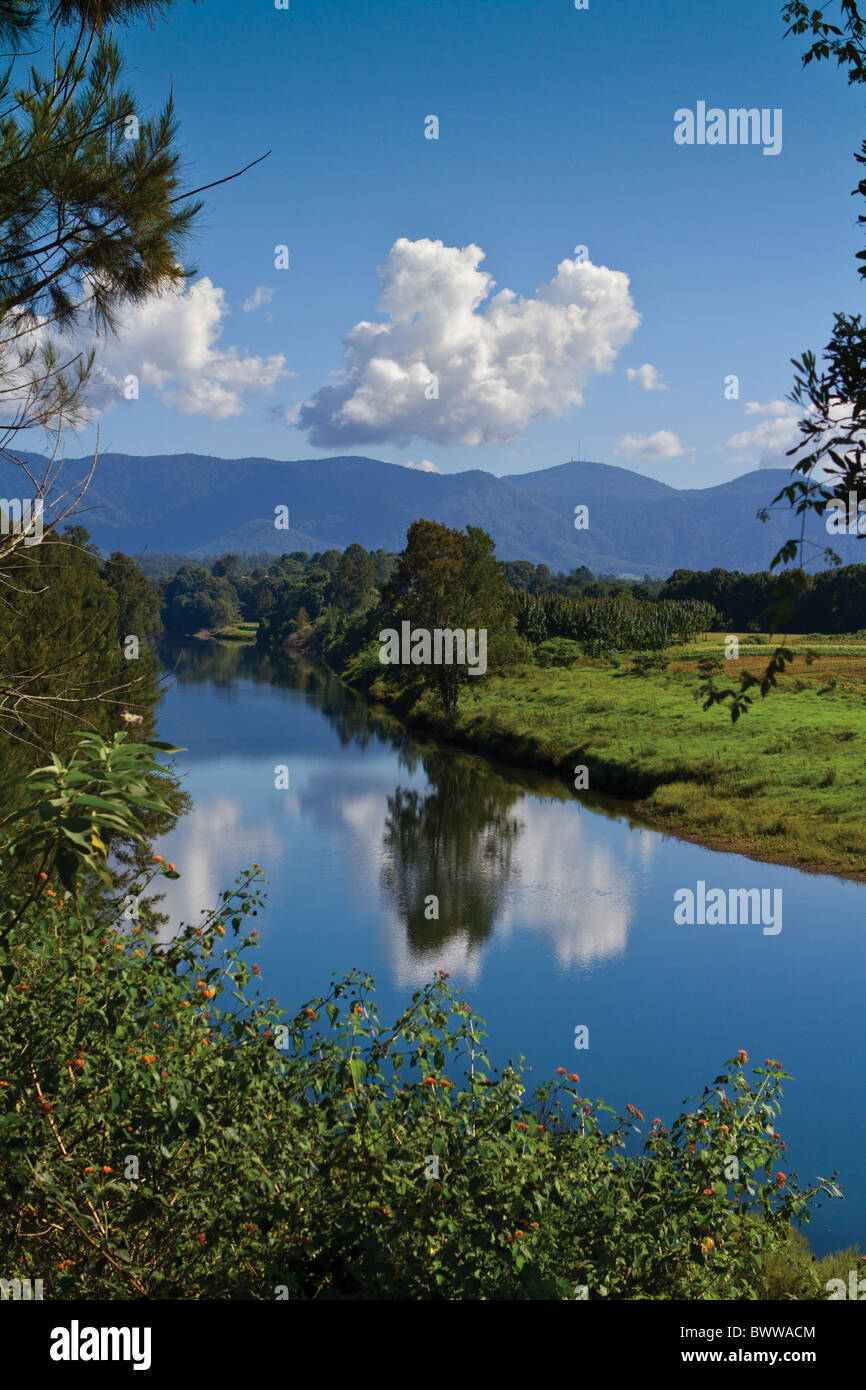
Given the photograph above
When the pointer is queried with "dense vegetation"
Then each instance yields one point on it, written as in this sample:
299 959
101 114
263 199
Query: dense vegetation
164 1132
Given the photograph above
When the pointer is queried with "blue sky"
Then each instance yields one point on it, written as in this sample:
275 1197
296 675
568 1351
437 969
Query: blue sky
555 130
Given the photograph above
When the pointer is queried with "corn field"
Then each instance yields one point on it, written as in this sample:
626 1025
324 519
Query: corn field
612 624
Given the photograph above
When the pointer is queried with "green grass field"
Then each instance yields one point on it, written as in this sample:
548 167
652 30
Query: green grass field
787 783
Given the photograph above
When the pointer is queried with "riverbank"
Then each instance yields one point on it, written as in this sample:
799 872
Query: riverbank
785 785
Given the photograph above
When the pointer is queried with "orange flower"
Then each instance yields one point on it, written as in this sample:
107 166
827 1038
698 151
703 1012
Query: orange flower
709 1191
311 1013
46 1105
158 859
91 1169
64 1264
781 1179
105 1168
743 1056
50 893
573 1076
184 1003
534 1225
518 1233
202 1239
148 1057
256 970
44 876
540 1128
521 1126
560 1071
172 868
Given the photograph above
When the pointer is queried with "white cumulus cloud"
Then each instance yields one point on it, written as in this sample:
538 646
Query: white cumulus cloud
170 344
647 376
443 367
664 444
423 466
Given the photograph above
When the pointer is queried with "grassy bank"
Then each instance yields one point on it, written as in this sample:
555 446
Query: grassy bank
786 784
236 632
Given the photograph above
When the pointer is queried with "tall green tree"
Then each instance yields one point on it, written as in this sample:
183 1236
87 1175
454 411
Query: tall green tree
354 580
450 579
91 216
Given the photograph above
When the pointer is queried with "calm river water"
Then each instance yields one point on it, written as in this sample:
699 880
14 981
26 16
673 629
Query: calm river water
554 911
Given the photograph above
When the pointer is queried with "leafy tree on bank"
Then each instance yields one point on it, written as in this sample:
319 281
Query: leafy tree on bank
354 580
450 579
197 601
62 663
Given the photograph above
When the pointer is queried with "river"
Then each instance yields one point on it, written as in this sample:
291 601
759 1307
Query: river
556 912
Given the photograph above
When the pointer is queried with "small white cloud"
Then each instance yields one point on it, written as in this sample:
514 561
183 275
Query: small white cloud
647 376
260 295
767 444
775 408
664 444
424 466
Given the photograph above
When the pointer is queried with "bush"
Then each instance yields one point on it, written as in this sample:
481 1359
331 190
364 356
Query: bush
645 662
557 651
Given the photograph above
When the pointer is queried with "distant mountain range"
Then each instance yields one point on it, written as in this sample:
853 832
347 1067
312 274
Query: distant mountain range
199 505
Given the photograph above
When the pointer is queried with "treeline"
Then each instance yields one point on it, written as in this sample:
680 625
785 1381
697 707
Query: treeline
579 583
831 601
296 591
305 600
